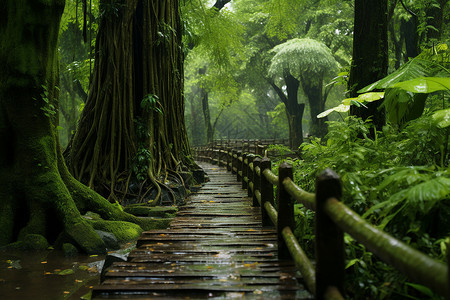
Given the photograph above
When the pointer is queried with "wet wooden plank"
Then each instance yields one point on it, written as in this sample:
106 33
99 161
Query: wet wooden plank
215 247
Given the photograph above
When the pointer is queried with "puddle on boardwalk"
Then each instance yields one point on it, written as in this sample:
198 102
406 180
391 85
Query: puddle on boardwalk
47 275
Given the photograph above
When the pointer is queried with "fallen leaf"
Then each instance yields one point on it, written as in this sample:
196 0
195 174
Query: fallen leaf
43 262
257 292
66 292
78 281
65 272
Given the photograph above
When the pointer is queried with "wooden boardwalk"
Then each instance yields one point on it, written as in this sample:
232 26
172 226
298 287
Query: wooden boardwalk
215 248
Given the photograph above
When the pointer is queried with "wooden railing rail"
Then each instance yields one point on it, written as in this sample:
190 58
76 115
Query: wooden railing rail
332 219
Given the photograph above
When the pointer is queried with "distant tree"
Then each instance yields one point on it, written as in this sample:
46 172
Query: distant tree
370 54
214 37
302 63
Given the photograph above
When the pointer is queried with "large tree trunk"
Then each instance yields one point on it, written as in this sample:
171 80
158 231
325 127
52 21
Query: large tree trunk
313 89
37 193
294 110
132 128
370 53
204 95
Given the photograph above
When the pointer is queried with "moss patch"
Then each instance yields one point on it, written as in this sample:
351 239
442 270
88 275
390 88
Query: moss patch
123 231
35 242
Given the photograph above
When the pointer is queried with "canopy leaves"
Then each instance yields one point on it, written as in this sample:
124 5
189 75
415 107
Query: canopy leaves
302 57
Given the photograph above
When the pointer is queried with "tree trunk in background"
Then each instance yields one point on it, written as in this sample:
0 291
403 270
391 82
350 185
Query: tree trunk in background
313 89
207 115
38 196
133 123
435 18
370 54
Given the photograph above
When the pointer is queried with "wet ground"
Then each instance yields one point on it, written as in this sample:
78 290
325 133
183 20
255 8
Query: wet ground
47 275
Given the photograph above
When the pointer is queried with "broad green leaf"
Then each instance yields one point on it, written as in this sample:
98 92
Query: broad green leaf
442 118
339 108
421 288
425 85
402 105
415 68
368 97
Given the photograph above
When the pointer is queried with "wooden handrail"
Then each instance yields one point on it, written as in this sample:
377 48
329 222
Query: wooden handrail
332 219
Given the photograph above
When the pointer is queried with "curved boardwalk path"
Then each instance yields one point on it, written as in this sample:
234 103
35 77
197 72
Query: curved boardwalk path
214 248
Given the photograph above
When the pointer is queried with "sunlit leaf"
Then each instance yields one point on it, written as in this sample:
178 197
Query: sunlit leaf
415 68
424 85
442 118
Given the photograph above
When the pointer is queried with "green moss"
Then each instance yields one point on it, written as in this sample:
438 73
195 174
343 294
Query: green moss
69 250
35 242
86 238
123 231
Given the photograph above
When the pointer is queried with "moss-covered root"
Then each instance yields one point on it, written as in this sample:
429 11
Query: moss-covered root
60 209
88 200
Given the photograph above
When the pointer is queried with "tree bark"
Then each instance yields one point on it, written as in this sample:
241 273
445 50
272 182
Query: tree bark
135 103
370 54
313 89
294 110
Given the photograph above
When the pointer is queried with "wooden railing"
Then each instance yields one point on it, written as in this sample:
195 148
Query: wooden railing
332 218
250 146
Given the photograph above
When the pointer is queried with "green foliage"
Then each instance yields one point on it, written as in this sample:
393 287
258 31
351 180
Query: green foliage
302 57
399 181
407 89
217 34
150 103
47 107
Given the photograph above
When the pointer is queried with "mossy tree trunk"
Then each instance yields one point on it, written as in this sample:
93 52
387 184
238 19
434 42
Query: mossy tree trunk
120 137
370 54
37 193
313 89
294 110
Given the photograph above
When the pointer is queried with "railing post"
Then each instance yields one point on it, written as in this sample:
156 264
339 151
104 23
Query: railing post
219 154
330 260
256 181
229 153
250 158
244 171
285 209
233 160
266 191
239 167
212 153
